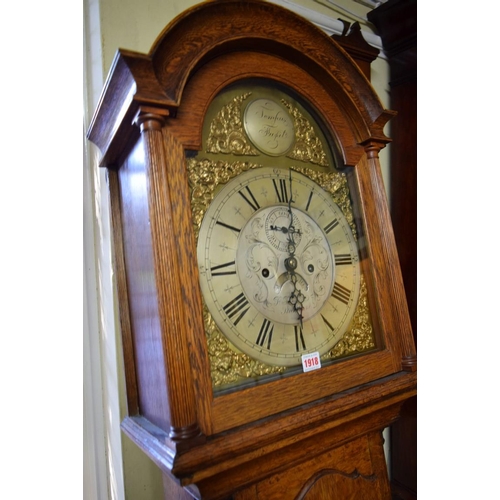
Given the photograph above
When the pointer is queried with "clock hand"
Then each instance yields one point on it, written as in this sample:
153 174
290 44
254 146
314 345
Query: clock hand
296 298
291 228
283 229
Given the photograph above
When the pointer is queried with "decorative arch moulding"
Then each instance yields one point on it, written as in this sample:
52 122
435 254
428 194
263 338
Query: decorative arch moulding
157 79
182 193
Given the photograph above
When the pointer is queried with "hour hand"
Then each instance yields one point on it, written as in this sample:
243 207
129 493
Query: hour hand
283 229
297 300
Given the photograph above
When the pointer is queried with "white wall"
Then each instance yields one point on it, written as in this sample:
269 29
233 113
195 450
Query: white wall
114 468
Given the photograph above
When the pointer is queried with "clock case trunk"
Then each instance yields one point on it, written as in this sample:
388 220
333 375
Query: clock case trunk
150 115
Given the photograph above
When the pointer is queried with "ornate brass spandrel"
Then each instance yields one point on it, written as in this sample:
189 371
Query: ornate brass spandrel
227 134
308 146
334 183
228 365
204 177
359 337
226 131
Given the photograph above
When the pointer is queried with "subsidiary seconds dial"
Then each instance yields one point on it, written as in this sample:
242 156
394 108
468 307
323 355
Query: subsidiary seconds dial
271 237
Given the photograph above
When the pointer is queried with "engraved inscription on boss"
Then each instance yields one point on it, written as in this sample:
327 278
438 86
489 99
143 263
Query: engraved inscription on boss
269 126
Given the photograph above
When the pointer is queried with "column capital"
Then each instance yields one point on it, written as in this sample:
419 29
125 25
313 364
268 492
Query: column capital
150 118
373 147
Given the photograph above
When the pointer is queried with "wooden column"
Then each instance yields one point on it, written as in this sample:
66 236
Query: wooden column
183 424
396 22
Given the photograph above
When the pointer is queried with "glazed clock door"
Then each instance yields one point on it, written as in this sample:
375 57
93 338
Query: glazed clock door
279 250
265 330
279 266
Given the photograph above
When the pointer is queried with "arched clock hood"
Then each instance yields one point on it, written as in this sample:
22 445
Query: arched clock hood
284 435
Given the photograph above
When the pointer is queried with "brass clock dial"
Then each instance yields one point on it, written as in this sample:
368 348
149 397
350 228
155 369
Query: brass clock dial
279 266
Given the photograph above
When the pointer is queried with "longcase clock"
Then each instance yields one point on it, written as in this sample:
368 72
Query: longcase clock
266 335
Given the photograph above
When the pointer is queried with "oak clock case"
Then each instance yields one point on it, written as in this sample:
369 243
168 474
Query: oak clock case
241 247
278 246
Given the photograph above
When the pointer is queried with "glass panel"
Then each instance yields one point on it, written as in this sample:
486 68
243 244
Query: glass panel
279 251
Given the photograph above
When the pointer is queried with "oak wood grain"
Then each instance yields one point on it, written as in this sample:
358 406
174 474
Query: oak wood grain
142 293
317 432
168 276
400 43
129 365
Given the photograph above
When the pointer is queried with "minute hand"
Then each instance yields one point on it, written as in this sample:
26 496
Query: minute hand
296 298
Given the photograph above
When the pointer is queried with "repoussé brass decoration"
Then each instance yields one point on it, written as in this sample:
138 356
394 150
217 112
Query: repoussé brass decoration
229 365
227 134
204 178
308 146
226 131
336 184
359 337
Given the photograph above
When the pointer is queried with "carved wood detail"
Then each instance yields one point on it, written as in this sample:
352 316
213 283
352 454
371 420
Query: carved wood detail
357 47
296 431
396 22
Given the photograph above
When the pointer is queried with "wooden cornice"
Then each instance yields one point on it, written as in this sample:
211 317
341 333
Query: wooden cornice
210 30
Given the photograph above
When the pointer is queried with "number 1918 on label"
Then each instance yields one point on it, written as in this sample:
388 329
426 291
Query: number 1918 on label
311 362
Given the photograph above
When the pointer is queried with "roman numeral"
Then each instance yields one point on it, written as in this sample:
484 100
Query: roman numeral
309 201
235 306
281 191
265 333
328 324
341 293
215 270
299 339
252 203
343 259
223 224
331 226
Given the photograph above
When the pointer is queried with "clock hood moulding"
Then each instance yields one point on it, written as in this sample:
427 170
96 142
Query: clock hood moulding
156 104
208 30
